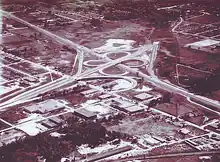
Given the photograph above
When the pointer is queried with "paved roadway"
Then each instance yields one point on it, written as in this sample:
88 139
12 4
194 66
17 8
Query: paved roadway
150 68
65 81
172 155
167 86
80 64
175 89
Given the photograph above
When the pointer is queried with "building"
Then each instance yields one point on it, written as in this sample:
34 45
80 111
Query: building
134 109
205 159
108 85
50 105
56 120
48 124
85 114
215 125
150 140
207 45
143 96
88 92
105 96
159 139
30 79
121 104
184 131
215 137
192 143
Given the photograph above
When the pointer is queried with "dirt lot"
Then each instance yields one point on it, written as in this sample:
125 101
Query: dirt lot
146 125
173 148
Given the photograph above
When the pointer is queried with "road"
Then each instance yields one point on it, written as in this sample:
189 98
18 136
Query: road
175 89
80 64
169 86
79 75
190 34
172 155
150 68
65 81
177 25
65 17
59 83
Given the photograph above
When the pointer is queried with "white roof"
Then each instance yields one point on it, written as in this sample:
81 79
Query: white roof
123 103
4 89
104 96
98 108
143 96
134 108
32 129
151 140
204 43
184 131
44 107
90 91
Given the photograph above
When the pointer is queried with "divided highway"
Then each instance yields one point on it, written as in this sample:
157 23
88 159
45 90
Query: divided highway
64 81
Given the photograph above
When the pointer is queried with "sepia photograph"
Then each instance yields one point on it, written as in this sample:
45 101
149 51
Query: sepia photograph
109 80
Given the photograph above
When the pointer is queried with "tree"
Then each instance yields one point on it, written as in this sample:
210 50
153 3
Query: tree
216 158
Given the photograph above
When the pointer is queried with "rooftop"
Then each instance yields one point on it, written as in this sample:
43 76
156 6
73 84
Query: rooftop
82 112
134 109
203 43
48 124
104 96
122 103
90 91
44 107
143 96
56 120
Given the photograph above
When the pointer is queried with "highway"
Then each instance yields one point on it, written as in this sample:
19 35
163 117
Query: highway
80 75
63 81
129 79
150 68
55 37
80 64
173 88
169 86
